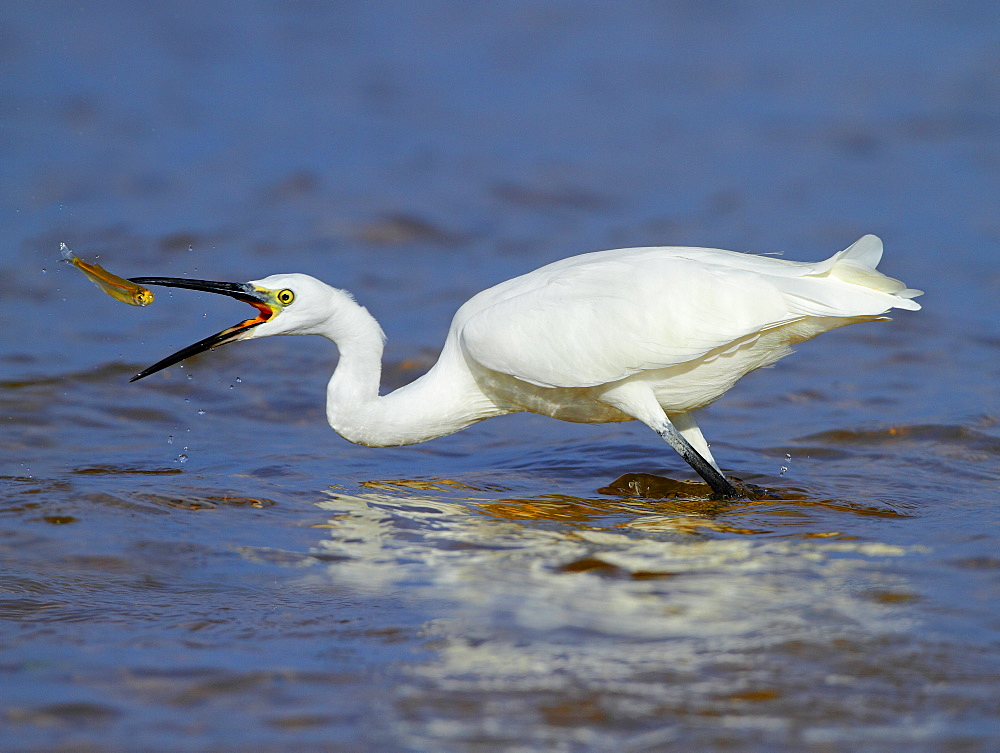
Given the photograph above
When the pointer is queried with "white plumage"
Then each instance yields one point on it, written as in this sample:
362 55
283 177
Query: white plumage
642 333
601 317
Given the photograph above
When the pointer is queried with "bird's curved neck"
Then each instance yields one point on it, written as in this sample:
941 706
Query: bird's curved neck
440 402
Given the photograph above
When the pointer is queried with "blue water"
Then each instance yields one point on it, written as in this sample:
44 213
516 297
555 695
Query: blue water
197 562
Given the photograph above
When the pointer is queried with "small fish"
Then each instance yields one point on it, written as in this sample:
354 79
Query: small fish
117 287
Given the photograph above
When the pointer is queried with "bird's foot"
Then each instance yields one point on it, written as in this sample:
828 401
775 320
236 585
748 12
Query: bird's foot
739 489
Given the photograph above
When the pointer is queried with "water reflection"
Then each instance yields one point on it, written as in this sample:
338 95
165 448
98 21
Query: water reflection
606 616
560 560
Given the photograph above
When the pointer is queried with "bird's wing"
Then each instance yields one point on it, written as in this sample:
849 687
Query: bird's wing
596 322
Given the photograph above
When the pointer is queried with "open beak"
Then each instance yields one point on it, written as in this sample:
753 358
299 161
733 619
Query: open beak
242 291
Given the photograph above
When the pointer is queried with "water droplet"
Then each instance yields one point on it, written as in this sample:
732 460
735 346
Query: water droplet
201 411
787 457
230 386
784 469
187 400
170 439
238 380
190 376
182 458
44 271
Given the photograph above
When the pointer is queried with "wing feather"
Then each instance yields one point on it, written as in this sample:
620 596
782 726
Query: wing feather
601 317
594 324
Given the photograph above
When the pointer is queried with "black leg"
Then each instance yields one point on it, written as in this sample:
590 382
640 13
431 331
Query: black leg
720 485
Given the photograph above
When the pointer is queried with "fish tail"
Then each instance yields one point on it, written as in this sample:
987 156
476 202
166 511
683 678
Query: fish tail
67 255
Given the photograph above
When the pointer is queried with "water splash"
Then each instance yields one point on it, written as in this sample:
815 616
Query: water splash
784 468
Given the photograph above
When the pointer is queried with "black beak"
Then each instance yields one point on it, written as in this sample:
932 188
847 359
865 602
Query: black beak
241 291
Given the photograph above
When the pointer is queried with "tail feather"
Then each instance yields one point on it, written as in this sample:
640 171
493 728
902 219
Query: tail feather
858 274
866 251
856 265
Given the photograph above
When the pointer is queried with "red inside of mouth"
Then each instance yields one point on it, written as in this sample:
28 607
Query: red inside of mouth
266 312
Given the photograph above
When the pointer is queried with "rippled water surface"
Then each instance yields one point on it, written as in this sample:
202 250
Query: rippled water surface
197 562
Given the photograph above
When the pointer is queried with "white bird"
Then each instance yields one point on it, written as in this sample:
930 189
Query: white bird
651 334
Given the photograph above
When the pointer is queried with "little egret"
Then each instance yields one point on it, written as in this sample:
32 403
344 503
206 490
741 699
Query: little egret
651 334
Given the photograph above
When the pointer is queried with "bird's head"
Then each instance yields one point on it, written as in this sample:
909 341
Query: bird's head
289 304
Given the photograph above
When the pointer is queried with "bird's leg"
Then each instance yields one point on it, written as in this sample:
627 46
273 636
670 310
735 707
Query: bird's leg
688 428
720 485
637 399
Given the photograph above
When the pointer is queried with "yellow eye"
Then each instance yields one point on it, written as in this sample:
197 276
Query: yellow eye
285 297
